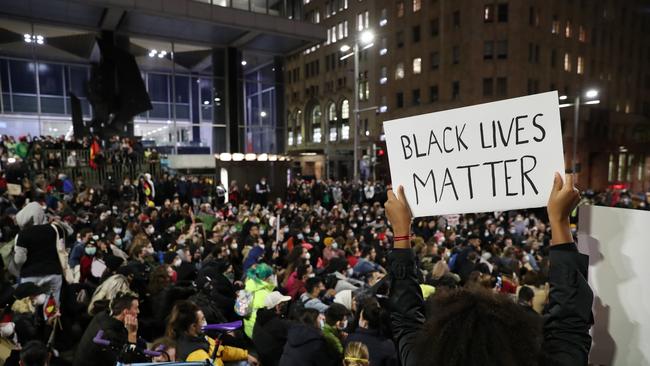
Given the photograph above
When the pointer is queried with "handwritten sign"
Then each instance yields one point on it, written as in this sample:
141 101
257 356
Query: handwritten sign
487 157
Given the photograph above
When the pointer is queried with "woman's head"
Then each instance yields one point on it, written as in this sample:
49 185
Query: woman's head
261 272
370 315
477 327
356 354
186 319
159 279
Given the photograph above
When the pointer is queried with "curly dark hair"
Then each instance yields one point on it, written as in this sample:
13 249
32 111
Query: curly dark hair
478 328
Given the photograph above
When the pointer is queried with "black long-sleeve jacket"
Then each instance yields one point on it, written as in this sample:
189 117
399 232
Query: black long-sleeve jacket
567 319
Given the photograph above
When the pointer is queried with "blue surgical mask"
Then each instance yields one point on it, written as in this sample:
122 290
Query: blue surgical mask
90 251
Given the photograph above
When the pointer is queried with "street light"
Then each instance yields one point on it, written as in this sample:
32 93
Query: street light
590 96
363 40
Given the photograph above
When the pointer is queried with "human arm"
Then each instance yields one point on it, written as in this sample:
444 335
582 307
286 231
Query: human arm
405 301
20 252
568 317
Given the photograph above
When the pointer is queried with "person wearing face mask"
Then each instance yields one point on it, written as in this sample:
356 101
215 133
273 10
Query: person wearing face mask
260 282
312 298
185 326
85 264
336 320
271 328
29 299
369 332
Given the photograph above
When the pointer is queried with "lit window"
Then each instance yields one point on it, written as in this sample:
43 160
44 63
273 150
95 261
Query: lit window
555 26
345 28
299 138
345 4
628 108
290 138
383 20
567 62
567 29
345 131
345 109
383 78
366 20
582 34
417 65
383 49
400 9
340 30
360 22
317 135
333 133
417 5
399 71
581 65
488 13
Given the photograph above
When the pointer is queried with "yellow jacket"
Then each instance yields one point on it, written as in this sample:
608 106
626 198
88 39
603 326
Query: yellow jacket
225 353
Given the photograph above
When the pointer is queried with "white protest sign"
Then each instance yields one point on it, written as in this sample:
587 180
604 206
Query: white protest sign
487 157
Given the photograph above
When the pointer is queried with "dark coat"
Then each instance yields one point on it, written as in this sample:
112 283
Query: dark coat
269 336
306 346
90 354
381 349
566 322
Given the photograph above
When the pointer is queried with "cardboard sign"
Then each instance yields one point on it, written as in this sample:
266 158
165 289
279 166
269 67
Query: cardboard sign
487 157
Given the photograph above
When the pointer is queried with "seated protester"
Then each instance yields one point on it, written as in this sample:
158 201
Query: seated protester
336 320
185 326
167 348
382 349
205 284
306 345
27 312
141 264
120 327
296 281
260 283
356 354
34 353
271 329
106 291
311 299
525 299
340 269
442 339
163 294
367 262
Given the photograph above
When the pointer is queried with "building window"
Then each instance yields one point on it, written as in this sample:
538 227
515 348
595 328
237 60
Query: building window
416 34
289 137
417 5
331 121
417 65
456 19
383 106
503 13
455 55
567 62
555 25
488 50
345 131
316 124
400 9
383 46
383 77
399 38
363 21
435 60
580 67
455 90
345 119
416 97
502 87
433 93
399 71
567 29
400 100
488 87
383 19
582 34
553 58
533 53
434 24
533 17
502 49
488 13
533 86
345 109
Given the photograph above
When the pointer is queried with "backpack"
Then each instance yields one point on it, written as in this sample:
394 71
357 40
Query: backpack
244 303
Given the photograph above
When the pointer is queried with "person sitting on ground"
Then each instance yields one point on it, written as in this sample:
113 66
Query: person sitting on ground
312 297
185 326
336 321
356 354
501 332
306 345
271 328
381 349
525 299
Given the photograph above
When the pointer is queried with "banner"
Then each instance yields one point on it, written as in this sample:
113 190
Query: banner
487 157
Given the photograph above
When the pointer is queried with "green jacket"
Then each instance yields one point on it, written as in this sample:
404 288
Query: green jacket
260 290
332 336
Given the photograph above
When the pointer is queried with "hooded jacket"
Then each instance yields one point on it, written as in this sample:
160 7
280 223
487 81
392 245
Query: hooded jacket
306 346
260 290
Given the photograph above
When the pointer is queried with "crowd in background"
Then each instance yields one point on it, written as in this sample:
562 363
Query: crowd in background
151 261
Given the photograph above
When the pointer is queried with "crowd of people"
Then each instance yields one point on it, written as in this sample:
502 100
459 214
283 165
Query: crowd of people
327 275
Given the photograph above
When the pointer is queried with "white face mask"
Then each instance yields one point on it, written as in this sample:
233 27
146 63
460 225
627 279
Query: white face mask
40 299
150 250
204 323
317 238
233 246
335 245
118 242
117 230
307 256
150 230
177 263
7 330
